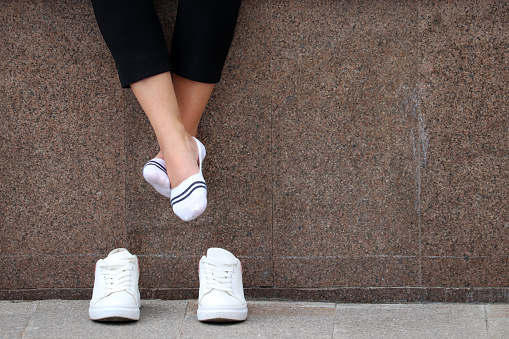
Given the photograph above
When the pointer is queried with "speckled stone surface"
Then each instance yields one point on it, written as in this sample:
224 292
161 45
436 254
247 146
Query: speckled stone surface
357 151
344 169
62 134
464 77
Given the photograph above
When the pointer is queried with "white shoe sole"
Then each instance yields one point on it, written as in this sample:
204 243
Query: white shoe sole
222 314
114 313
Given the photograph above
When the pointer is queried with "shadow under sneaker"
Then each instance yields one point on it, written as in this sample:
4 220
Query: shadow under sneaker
116 296
221 297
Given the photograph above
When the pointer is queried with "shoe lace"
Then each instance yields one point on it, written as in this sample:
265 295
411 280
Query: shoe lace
218 276
117 277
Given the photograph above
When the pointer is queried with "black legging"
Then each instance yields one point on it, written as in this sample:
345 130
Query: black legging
201 39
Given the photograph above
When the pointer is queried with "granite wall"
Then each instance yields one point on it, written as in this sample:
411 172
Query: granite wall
358 151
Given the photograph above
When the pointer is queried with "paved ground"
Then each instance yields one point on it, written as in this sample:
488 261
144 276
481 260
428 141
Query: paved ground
267 319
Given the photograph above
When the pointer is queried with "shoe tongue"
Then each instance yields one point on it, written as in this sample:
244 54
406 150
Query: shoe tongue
119 254
219 255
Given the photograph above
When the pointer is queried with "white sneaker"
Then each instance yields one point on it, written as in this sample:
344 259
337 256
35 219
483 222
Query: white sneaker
116 295
221 292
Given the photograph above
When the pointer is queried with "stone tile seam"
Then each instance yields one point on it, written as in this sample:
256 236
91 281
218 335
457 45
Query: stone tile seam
126 198
348 257
420 161
271 105
102 255
48 255
371 288
392 256
420 150
334 318
180 332
30 322
277 287
197 256
265 257
484 313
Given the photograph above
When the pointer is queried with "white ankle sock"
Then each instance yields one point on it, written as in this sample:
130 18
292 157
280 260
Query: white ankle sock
155 174
189 199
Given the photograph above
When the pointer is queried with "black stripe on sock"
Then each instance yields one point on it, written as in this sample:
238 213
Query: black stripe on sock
158 165
173 203
179 198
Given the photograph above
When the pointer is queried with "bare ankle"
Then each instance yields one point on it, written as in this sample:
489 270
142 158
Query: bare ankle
181 158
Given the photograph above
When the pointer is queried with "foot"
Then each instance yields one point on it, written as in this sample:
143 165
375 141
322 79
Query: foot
155 174
189 198
116 296
221 296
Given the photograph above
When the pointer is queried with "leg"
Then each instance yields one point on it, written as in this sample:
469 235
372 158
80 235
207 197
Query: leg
132 31
183 154
202 37
133 34
157 98
201 41
192 97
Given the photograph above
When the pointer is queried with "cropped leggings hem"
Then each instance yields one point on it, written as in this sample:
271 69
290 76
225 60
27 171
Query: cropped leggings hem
143 68
201 40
